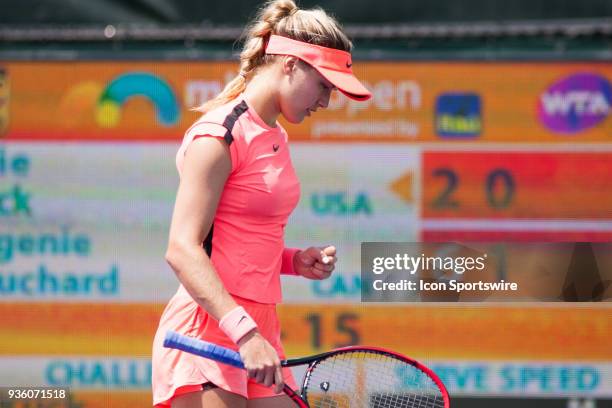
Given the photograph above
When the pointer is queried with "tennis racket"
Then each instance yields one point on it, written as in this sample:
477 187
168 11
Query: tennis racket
348 377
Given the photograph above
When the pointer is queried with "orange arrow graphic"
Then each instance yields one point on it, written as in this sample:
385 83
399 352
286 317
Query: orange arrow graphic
403 187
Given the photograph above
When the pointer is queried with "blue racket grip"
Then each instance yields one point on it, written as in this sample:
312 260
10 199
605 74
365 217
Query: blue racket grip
203 349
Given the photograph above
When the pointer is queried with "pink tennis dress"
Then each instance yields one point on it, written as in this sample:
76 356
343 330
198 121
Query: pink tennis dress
246 247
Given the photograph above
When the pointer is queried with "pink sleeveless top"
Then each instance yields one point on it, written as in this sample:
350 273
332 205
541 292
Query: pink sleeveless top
260 193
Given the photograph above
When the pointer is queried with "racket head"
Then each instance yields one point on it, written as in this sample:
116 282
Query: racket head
359 376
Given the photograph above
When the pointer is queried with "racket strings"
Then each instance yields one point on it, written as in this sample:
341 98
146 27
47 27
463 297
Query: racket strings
357 379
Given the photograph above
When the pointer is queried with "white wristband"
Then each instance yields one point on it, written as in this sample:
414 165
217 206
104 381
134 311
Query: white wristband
236 324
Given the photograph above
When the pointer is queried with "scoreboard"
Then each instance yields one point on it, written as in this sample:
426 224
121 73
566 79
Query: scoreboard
517 195
444 151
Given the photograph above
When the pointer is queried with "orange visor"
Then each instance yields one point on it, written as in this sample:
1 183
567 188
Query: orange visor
335 65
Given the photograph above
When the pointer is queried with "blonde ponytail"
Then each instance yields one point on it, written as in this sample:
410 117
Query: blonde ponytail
281 17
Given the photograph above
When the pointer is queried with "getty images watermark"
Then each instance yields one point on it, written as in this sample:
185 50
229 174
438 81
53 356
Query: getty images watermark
421 272
454 272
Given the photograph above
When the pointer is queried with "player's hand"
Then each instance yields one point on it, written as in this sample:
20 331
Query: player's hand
261 360
315 262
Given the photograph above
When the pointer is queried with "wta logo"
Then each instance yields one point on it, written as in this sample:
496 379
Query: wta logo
107 102
575 103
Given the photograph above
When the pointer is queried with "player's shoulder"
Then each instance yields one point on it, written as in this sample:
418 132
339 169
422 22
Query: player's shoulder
227 114
217 121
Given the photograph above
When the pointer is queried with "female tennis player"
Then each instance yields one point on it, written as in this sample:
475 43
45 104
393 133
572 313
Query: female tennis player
237 189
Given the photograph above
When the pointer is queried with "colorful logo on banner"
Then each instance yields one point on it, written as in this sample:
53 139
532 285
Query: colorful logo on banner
4 101
108 112
575 103
458 115
106 102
